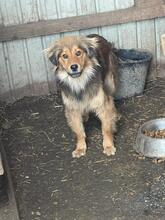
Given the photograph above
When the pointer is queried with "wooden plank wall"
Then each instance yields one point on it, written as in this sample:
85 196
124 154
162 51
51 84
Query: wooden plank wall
24 70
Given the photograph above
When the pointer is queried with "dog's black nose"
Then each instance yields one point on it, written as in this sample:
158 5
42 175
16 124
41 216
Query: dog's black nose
74 67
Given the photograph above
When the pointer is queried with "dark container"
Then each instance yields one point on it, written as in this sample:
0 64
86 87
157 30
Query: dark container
132 72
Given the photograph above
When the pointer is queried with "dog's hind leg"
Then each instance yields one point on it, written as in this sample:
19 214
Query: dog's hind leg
109 83
108 117
75 122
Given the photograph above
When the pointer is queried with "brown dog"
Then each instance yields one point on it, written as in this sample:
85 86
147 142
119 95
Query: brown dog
86 70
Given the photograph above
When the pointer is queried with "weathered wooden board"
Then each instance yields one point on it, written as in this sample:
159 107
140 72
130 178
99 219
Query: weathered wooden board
48 10
127 32
87 7
24 69
42 28
160 61
109 32
15 55
146 40
5 81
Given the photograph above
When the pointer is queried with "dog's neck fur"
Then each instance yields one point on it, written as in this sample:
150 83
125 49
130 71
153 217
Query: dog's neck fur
78 87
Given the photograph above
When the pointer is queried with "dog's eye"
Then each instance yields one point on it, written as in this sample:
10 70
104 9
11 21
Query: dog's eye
65 56
78 53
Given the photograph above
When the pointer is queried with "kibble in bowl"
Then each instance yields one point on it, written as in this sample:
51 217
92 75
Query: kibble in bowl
155 133
150 140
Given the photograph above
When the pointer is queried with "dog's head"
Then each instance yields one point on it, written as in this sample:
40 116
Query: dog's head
72 54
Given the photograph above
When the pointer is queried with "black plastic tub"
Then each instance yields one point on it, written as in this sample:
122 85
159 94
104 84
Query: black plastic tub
132 72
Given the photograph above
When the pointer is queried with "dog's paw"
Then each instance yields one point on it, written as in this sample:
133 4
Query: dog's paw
109 150
78 153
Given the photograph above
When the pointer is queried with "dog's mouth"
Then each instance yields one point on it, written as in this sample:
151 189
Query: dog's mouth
74 74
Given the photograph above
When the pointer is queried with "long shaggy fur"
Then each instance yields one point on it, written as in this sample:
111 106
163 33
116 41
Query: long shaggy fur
86 68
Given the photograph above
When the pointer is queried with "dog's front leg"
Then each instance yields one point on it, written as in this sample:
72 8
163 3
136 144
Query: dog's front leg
75 121
108 116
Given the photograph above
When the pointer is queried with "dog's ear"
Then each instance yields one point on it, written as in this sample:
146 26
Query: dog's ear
53 59
53 53
91 52
90 45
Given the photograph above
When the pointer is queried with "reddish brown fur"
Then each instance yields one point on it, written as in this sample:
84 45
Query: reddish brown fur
94 53
72 58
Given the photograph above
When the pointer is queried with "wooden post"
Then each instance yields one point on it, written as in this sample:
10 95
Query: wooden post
163 43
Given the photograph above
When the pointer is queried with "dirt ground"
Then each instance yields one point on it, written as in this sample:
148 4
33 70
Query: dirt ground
51 185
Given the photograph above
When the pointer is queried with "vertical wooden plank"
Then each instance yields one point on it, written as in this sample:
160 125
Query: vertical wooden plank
124 4
9 75
37 66
10 12
89 31
6 75
33 48
146 41
105 5
49 11
67 9
109 32
29 9
1 18
160 58
14 52
25 19
5 82
127 34
87 7
16 59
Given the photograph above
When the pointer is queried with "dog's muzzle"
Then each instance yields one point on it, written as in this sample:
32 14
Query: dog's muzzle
75 73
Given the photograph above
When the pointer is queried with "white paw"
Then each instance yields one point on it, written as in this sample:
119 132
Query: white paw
109 150
78 153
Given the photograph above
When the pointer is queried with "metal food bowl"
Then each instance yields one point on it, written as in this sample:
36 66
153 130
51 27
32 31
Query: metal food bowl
151 146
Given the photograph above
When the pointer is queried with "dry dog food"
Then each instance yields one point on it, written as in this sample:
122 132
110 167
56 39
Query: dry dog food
155 133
